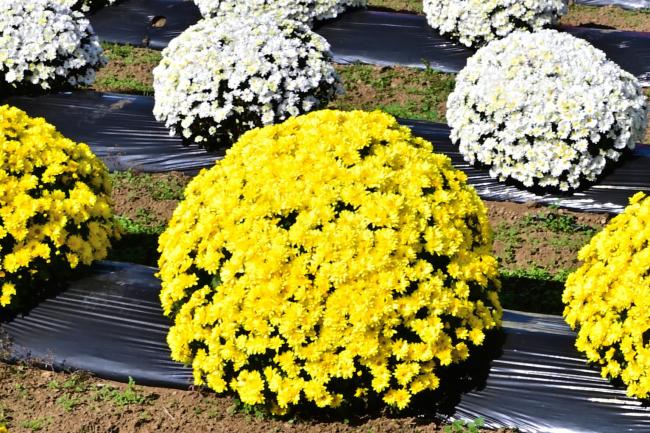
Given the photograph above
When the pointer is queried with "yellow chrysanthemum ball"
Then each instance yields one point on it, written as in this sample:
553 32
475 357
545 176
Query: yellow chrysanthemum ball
608 298
326 258
55 207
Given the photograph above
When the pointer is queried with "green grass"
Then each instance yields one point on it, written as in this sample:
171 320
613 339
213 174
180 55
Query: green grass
460 426
558 223
130 55
37 424
414 6
140 232
533 289
157 187
129 70
138 243
402 92
130 396
68 402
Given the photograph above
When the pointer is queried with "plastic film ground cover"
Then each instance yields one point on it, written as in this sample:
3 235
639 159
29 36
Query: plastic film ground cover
110 323
366 36
627 4
122 131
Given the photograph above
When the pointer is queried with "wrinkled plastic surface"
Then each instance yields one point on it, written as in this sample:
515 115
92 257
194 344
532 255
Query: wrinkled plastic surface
366 36
132 21
110 323
611 194
626 4
121 129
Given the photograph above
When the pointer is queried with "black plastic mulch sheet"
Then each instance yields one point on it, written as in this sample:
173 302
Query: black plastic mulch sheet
627 4
611 194
121 129
110 324
366 36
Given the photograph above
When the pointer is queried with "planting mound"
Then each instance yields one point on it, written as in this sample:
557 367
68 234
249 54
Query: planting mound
475 23
328 258
226 75
45 45
608 300
546 110
305 11
55 209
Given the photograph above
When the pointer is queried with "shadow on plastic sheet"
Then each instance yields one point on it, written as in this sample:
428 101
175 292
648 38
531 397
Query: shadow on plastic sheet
357 36
528 376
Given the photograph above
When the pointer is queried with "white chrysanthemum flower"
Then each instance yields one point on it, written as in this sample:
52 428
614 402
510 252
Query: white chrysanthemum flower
46 45
476 22
84 5
224 76
545 109
89 5
305 11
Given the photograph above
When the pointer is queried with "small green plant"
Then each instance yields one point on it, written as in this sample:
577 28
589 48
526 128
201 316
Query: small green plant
460 426
68 402
37 424
77 382
5 416
130 55
257 411
558 223
22 390
145 417
129 396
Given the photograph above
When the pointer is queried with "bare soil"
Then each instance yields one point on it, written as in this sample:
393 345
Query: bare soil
608 17
37 400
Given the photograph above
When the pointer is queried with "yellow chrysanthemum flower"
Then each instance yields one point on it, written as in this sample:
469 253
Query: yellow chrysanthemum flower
334 251
55 208
608 298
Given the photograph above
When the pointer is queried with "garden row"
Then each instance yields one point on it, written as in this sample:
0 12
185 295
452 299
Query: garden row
364 269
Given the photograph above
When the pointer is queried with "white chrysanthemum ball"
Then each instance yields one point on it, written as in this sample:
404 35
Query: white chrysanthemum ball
227 75
546 110
305 11
45 45
476 22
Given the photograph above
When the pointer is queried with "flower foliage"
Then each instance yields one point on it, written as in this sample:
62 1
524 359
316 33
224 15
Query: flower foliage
607 298
305 11
329 257
545 109
477 22
55 208
226 75
44 44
